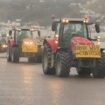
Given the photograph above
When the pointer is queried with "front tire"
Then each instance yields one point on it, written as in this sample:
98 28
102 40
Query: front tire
8 55
15 55
63 64
46 60
99 70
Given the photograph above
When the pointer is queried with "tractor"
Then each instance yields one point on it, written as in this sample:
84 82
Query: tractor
22 44
3 45
72 46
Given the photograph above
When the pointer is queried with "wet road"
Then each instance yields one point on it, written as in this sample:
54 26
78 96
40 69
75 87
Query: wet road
25 84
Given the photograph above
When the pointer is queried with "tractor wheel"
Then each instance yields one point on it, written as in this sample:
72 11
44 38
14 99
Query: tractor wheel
84 72
8 56
46 60
63 60
15 55
99 70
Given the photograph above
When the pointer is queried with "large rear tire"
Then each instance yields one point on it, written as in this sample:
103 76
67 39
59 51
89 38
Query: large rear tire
46 60
8 55
63 60
8 58
99 70
15 55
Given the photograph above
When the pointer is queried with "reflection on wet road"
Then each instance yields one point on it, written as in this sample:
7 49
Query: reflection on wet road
25 84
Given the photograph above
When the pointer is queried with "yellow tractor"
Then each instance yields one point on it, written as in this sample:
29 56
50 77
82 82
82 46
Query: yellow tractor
22 44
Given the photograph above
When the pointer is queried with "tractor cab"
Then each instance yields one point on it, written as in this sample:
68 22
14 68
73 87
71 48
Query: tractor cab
67 28
18 34
24 33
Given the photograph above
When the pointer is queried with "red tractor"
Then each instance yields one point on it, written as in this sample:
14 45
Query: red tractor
72 46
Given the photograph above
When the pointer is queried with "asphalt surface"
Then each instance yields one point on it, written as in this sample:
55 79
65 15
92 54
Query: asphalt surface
25 84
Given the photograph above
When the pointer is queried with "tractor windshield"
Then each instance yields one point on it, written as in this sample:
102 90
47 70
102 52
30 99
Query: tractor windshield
25 33
21 34
75 28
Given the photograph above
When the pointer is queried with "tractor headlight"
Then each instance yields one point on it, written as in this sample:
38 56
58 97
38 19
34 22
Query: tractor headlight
56 39
86 19
31 43
56 42
98 37
28 42
98 43
65 20
4 46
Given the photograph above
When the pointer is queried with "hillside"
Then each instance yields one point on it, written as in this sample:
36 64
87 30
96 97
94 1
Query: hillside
97 6
41 10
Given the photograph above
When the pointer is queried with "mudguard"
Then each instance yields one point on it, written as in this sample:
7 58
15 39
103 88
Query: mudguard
52 43
81 40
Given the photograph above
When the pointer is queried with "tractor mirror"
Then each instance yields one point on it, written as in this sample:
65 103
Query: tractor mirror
54 25
97 27
39 33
